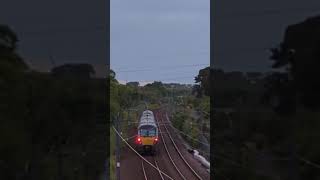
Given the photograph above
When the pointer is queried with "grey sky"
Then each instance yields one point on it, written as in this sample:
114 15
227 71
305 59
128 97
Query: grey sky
73 31
244 30
153 35
159 40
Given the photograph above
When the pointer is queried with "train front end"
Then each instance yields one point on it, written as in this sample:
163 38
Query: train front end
147 136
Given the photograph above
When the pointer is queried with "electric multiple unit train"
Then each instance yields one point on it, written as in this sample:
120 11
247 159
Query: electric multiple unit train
147 137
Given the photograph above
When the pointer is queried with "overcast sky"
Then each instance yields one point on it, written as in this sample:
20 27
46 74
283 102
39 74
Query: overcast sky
245 30
153 40
72 31
166 40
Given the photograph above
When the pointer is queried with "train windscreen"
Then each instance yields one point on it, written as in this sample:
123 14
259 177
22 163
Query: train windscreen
147 130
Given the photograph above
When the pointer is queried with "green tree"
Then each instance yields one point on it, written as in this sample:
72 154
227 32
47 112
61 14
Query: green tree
299 56
134 84
74 70
204 79
10 61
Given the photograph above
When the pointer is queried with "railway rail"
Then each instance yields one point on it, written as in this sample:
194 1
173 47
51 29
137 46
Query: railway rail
145 172
195 174
171 160
144 160
168 153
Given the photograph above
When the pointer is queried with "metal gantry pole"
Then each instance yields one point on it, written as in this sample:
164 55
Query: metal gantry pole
129 119
117 149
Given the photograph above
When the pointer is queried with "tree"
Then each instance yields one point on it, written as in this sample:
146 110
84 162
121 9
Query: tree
44 117
297 84
8 38
9 59
204 79
74 70
299 58
197 91
112 74
134 84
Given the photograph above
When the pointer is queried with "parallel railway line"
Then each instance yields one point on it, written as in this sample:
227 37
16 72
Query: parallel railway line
168 153
183 176
171 160
147 173
144 171
144 160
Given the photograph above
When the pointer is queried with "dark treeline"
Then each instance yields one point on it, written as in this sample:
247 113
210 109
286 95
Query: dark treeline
266 125
52 125
232 88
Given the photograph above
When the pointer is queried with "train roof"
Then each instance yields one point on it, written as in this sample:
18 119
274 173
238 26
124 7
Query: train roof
147 118
147 112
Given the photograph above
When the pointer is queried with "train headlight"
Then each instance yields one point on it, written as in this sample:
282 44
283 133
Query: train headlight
155 140
139 140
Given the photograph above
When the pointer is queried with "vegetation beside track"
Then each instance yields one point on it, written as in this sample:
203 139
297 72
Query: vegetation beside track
53 124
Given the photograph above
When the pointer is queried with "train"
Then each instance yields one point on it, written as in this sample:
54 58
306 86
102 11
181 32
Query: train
147 136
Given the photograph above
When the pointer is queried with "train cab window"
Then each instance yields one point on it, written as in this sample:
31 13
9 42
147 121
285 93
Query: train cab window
147 131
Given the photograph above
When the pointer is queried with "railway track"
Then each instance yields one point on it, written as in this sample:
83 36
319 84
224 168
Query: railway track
148 175
175 155
149 165
144 171
168 153
167 164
